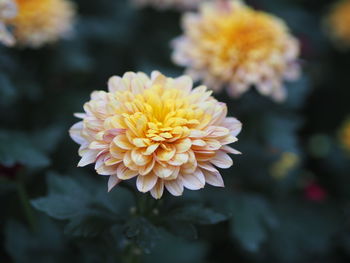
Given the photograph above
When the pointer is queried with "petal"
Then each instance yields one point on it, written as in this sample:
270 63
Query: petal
107 170
229 149
163 171
138 158
234 125
216 131
193 181
184 83
88 157
165 154
183 145
122 142
213 178
125 173
228 140
147 168
116 83
158 189
146 183
222 160
150 149
175 187
113 181
75 133
179 159
207 166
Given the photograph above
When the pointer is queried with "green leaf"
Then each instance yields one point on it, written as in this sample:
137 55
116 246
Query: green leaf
142 232
182 229
89 224
251 219
198 214
44 245
87 206
17 148
58 206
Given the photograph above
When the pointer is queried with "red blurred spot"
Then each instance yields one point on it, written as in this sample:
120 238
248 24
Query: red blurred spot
314 192
9 172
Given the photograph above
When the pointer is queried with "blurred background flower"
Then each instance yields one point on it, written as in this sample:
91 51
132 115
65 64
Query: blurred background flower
39 22
338 22
230 44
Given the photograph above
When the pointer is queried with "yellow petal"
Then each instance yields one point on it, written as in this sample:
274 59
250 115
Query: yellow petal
183 145
150 149
165 155
138 158
163 171
123 142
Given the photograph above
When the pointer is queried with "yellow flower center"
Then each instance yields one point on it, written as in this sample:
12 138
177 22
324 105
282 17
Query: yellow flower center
245 34
158 116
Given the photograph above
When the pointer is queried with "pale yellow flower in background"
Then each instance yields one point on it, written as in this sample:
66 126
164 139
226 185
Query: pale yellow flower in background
338 23
168 4
156 129
287 162
39 22
344 135
230 44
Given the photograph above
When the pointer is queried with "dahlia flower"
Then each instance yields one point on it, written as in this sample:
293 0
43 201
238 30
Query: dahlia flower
168 4
230 44
338 23
38 22
158 130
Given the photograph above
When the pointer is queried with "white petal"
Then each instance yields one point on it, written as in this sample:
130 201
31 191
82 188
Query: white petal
146 182
125 173
207 166
222 160
88 157
213 178
229 149
234 125
175 187
193 181
185 83
116 83
75 133
158 189
113 181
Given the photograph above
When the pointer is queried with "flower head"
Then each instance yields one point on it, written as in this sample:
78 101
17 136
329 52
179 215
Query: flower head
38 22
229 43
156 129
167 4
338 23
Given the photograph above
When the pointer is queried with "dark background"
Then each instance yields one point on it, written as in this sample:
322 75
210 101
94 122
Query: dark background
299 214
